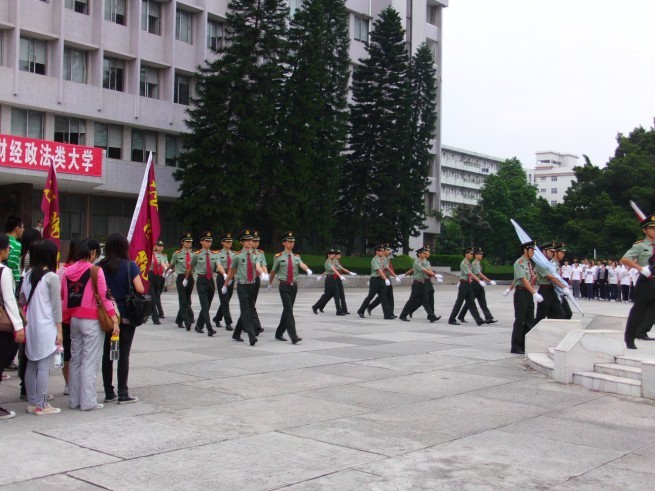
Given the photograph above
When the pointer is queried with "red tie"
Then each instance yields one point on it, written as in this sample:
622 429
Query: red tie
249 266
155 265
290 270
229 260
188 259
208 267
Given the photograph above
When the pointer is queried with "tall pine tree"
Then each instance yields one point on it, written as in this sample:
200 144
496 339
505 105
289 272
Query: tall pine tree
233 117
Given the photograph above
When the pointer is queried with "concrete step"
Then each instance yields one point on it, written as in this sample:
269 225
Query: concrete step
634 360
551 353
601 382
541 363
618 370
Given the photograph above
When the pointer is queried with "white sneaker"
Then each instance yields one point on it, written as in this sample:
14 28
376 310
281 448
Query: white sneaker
97 406
30 409
66 390
46 409
6 414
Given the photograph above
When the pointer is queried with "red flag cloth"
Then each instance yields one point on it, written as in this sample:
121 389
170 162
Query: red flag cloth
146 228
50 207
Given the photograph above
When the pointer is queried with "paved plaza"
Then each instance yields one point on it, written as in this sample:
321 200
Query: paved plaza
358 404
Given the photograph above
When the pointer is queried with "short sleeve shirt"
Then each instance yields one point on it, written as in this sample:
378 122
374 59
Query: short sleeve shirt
330 267
464 269
641 252
476 267
199 263
542 274
522 270
223 255
281 266
376 263
13 261
240 264
419 274
178 260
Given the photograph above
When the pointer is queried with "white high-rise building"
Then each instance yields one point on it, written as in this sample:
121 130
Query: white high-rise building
553 175
118 75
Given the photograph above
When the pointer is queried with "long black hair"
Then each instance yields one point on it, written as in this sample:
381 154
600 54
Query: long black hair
43 258
4 241
116 249
73 247
30 236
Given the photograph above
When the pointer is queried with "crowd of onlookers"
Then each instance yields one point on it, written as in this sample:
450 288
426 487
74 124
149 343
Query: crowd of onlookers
52 312
600 280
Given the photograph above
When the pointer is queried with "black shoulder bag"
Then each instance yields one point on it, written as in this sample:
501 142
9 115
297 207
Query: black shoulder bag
139 306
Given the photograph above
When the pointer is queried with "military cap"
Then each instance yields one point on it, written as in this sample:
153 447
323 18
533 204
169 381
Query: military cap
289 236
420 251
552 245
255 235
245 234
531 244
649 220
186 236
426 248
479 251
226 237
337 251
561 247
160 243
387 246
468 250
331 251
206 236
379 247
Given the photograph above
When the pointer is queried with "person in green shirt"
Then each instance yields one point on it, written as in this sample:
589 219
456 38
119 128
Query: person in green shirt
156 276
478 289
421 273
641 256
524 297
225 256
389 271
331 289
465 292
341 270
377 285
285 267
550 307
260 261
180 260
14 229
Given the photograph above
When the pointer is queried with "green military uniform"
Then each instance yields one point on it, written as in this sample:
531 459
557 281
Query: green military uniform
550 307
388 270
331 289
465 292
245 274
377 286
203 264
478 292
523 302
180 260
157 266
260 259
342 294
285 268
225 256
420 295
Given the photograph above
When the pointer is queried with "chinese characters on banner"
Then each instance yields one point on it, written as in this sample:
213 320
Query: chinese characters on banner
30 153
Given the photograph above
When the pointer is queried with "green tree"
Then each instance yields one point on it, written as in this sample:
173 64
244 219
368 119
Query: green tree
473 223
232 119
451 239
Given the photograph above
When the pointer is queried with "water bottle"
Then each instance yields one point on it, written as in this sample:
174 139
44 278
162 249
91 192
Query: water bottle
113 349
58 359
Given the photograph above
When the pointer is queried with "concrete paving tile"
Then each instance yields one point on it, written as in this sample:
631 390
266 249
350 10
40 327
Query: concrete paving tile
361 372
185 395
28 455
491 460
162 358
308 344
478 353
128 438
268 384
419 363
355 340
57 481
273 460
479 340
583 433
412 347
619 411
517 370
400 336
184 341
226 352
356 353
356 395
146 376
347 480
610 476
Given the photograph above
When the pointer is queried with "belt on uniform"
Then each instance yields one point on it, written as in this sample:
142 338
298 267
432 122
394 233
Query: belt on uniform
288 283
464 281
549 285
245 283
419 281
521 288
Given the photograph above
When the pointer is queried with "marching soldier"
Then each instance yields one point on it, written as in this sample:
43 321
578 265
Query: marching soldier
180 261
389 271
203 264
331 287
421 273
550 306
377 285
465 292
157 267
260 260
524 298
560 253
225 256
285 267
641 257
340 269
478 289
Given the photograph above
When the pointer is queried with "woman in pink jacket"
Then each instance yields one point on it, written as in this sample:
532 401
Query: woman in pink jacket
80 310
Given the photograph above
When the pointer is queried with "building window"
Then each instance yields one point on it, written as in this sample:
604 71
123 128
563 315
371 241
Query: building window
543 178
294 6
361 29
173 150
151 17
542 190
553 202
27 123
75 65
110 138
142 143
215 34
553 178
115 11
79 6
184 26
33 55
182 89
553 190
113 74
149 82
70 130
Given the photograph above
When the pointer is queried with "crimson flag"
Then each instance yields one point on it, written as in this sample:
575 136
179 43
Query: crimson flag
50 208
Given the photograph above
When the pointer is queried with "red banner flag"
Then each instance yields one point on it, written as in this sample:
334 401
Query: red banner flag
144 229
50 207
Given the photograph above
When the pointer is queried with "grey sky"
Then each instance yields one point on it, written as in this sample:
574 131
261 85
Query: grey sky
521 76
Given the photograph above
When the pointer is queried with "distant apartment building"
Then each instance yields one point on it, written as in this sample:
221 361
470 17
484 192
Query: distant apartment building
553 175
461 176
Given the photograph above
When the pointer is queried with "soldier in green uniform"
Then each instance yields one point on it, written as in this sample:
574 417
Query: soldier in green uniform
341 270
225 256
524 298
641 256
551 307
203 264
285 267
377 285
560 253
465 292
179 264
244 269
421 273
260 260
157 267
389 271
478 289
331 289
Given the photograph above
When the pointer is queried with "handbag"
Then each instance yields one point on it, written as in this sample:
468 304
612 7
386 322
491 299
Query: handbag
106 324
5 322
139 306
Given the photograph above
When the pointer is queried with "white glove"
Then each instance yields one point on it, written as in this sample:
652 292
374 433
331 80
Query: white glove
537 298
645 271
401 276
506 292
566 291
439 280
230 282
268 287
439 277
168 273
482 284
492 283
185 282
264 277
309 272
318 278
399 279
387 282
224 276
224 290
368 283
342 277
352 273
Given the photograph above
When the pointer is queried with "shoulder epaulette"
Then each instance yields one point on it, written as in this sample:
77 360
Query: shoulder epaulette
179 250
297 255
279 254
198 251
639 241
259 250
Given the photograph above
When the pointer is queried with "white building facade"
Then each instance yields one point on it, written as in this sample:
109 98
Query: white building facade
118 75
553 175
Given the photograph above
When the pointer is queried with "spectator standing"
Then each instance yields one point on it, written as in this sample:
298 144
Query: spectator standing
576 277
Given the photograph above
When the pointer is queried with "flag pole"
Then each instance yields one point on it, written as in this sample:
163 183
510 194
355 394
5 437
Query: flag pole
142 193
